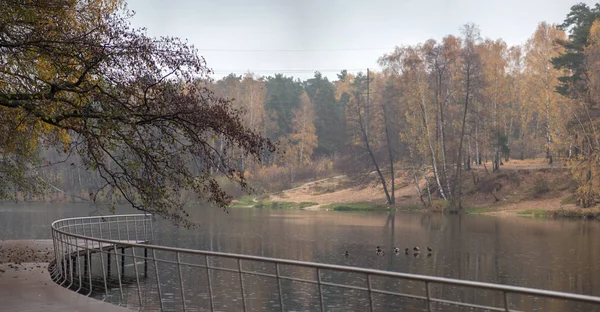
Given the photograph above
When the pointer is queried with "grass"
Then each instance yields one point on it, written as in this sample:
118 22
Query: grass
477 210
360 206
533 212
245 201
571 199
410 207
283 205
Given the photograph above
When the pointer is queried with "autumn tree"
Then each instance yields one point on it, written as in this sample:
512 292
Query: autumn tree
470 72
494 96
541 78
303 139
74 76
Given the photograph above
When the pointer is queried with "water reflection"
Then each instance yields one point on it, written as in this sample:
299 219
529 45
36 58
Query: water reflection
558 255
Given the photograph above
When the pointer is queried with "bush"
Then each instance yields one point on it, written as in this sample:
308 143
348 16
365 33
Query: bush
439 205
360 206
284 205
540 185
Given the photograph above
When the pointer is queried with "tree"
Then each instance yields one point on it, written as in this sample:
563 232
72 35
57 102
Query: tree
74 76
494 98
578 24
303 139
283 96
329 118
470 72
541 78
586 167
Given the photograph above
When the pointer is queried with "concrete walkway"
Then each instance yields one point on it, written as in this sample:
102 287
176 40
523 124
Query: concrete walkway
25 283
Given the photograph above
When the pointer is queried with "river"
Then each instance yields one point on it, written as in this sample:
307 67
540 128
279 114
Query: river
561 255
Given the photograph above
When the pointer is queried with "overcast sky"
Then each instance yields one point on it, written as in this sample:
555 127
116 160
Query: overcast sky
299 37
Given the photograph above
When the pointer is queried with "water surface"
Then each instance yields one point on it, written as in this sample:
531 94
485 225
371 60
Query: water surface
561 255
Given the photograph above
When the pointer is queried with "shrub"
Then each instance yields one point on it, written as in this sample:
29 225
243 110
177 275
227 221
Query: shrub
540 185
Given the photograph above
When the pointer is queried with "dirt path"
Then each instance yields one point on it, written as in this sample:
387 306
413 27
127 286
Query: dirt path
330 191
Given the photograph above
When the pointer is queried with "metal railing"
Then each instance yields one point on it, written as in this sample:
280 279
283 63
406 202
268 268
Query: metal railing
83 244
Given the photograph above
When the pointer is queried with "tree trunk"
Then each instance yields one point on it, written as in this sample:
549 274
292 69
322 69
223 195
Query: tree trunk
548 133
426 182
443 150
457 198
433 158
372 156
418 188
387 137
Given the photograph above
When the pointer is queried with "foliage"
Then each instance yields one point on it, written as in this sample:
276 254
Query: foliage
540 185
284 205
136 109
360 206
578 24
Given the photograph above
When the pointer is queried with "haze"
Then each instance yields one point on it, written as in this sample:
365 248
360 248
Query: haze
337 34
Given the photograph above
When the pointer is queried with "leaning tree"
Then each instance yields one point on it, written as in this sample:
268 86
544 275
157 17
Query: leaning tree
76 77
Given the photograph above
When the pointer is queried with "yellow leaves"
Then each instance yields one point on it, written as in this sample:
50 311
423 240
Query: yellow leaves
592 56
303 140
345 86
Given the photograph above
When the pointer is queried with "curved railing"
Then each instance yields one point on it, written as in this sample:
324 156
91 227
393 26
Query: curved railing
152 277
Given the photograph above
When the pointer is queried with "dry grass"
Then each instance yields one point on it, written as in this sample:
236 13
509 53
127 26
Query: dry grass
337 192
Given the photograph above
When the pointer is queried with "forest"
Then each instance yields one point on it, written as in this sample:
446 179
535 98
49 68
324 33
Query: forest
431 111
434 110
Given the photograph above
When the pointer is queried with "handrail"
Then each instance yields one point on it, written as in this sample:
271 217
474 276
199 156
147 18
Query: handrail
65 241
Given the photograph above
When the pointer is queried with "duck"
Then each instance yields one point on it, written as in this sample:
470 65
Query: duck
346 253
379 252
396 250
406 251
429 249
416 249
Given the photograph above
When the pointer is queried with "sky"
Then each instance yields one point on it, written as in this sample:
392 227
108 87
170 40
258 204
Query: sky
299 37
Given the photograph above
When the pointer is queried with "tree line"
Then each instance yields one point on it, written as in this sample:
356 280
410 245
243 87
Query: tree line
437 108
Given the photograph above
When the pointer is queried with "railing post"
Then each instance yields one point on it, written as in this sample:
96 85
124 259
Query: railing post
279 286
108 266
506 306
137 276
91 229
89 260
157 279
109 221
369 290
103 270
77 266
135 231
118 228
72 261
428 294
65 256
321 302
151 229
123 261
118 271
181 281
212 304
127 228
242 284
57 264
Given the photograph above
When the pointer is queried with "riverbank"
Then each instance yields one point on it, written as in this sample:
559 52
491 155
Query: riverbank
25 283
520 188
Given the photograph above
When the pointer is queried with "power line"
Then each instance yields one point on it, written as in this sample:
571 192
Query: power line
286 71
295 50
